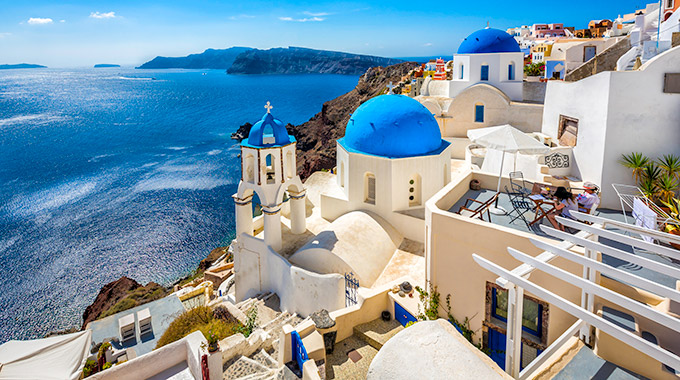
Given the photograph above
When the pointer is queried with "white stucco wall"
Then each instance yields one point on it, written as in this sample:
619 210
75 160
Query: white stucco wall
619 113
259 269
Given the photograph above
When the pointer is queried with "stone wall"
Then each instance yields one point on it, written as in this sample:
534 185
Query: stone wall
534 92
605 61
675 41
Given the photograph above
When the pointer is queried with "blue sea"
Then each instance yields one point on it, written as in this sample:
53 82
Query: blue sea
120 172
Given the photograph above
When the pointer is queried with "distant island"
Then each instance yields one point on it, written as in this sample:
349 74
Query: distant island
291 60
22 66
296 60
209 59
102 65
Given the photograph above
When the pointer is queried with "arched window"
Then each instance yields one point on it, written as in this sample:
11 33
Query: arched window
270 172
479 113
249 168
485 72
290 169
268 135
462 71
369 188
511 71
414 190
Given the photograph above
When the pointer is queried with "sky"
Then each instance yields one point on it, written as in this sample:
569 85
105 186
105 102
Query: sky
81 33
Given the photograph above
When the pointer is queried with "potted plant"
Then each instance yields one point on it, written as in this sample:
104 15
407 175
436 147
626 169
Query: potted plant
213 345
673 205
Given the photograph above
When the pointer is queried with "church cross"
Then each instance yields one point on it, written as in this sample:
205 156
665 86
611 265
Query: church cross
269 107
390 87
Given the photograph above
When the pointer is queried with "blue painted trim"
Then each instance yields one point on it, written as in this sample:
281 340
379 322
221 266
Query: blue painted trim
445 144
245 143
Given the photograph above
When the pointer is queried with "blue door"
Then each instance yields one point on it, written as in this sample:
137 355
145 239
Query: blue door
497 347
485 73
402 316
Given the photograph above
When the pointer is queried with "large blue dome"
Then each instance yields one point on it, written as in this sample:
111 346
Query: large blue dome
489 41
392 126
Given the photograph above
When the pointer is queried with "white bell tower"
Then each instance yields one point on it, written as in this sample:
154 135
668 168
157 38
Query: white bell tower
268 169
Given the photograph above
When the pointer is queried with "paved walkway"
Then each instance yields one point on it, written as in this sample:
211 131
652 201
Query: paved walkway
340 366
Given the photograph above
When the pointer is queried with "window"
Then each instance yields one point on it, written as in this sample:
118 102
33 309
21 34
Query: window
669 4
531 311
269 160
479 113
369 188
511 71
290 171
462 71
485 72
567 131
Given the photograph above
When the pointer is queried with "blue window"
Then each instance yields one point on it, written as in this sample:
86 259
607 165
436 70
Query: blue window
485 72
462 70
531 312
479 114
511 72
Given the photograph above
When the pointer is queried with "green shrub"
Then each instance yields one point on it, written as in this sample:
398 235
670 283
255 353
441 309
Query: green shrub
107 365
122 305
251 322
90 367
200 319
535 69
102 349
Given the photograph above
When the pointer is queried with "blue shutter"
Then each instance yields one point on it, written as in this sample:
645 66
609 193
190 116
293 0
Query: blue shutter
511 72
485 72
479 114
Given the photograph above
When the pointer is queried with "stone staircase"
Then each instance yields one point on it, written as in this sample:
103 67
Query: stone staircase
262 364
377 332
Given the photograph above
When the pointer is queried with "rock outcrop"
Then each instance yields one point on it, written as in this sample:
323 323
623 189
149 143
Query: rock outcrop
209 59
108 296
296 60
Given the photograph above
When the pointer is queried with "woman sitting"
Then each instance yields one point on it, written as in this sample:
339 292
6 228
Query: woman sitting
567 204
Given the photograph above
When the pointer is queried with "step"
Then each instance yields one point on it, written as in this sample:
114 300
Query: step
242 367
265 359
377 332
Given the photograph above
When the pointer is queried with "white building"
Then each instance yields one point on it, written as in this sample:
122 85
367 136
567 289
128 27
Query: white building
489 56
613 113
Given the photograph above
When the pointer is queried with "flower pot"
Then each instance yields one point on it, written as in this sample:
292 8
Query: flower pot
677 233
213 347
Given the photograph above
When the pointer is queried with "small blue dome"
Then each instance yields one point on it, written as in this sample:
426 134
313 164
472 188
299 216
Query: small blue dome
272 127
489 41
392 126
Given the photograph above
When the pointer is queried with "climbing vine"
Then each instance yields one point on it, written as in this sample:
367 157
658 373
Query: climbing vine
428 309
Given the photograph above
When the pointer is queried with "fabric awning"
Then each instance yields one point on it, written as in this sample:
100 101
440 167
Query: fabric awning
58 357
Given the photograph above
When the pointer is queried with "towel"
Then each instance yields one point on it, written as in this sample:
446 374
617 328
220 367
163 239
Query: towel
644 217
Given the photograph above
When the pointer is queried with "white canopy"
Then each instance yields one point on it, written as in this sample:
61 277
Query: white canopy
507 138
59 357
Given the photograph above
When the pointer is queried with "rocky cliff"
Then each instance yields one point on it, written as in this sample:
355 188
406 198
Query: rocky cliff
119 295
316 138
296 60
209 59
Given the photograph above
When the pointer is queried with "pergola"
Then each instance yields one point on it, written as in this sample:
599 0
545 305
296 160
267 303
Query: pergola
591 228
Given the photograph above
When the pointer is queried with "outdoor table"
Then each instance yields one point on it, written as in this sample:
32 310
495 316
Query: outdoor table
544 206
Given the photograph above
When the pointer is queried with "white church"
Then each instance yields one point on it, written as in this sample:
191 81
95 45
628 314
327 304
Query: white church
368 220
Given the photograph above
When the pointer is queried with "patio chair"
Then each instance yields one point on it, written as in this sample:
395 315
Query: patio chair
477 212
517 183
520 204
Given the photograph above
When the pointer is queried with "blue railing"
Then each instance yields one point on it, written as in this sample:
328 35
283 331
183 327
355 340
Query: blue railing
299 351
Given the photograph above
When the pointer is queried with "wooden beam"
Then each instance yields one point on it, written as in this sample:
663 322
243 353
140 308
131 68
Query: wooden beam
623 301
615 252
618 274
658 235
528 371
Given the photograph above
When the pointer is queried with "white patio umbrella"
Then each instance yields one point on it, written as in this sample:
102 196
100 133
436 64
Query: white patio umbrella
507 139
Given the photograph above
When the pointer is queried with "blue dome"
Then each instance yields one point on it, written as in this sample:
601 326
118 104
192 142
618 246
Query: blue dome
489 41
268 126
392 126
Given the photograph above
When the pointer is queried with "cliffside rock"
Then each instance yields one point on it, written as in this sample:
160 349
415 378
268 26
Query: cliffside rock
316 138
296 60
108 296
209 59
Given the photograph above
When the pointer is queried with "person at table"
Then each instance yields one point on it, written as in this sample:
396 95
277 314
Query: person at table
589 198
567 204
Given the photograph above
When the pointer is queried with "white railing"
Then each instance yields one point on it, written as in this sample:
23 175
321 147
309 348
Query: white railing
516 281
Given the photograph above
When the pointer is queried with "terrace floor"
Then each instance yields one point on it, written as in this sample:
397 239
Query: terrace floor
586 365
519 225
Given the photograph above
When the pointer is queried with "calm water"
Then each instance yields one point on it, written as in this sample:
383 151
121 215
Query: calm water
107 172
